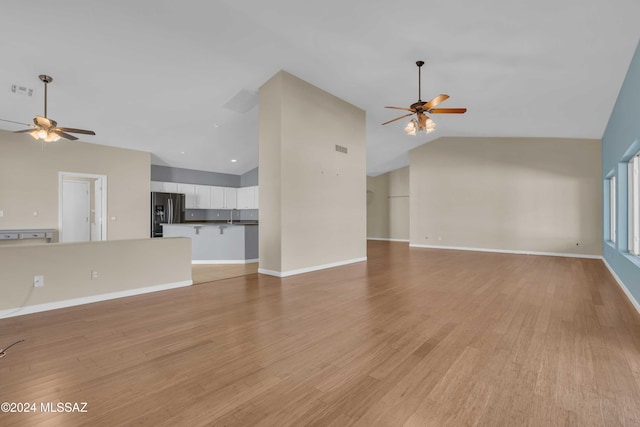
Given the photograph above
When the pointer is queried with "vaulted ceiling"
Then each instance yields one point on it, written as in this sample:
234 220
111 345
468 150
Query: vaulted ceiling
156 75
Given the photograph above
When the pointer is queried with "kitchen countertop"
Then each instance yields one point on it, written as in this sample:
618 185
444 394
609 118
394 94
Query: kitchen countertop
218 242
215 223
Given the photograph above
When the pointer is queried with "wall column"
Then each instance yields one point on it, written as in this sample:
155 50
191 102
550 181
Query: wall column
312 197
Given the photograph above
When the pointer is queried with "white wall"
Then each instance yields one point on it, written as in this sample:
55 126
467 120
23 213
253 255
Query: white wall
388 205
520 194
29 183
312 198
125 267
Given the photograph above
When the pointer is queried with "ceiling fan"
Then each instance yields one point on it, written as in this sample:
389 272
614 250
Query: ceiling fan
422 122
46 129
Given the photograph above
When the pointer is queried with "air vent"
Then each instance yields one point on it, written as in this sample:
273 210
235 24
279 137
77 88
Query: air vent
21 90
242 102
341 149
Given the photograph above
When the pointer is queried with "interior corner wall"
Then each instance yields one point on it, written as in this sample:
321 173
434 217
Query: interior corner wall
399 204
250 178
388 205
29 183
507 194
317 194
269 170
620 141
378 223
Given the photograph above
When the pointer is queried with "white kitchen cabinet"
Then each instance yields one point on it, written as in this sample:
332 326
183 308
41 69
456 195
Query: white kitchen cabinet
223 198
170 187
189 190
256 198
164 187
210 197
246 198
242 198
217 197
203 196
156 186
230 198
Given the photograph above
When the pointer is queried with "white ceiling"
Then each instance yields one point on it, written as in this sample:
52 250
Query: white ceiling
153 75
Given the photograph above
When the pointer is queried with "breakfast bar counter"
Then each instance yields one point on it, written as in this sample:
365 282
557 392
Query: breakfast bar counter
218 242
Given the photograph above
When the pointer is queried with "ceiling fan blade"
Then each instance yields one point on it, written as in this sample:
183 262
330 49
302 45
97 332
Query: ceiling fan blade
44 122
63 135
447 110
398 118
401 108
25 130
435 101
73 130
18 123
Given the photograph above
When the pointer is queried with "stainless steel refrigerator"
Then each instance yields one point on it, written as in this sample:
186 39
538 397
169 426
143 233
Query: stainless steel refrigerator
166 208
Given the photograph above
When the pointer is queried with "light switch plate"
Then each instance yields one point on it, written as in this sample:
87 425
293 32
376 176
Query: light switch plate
1 214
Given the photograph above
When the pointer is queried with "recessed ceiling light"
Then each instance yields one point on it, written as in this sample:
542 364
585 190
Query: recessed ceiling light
215 125
233 160
182 152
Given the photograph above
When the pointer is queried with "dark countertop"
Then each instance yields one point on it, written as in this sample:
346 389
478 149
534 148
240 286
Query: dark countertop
224 222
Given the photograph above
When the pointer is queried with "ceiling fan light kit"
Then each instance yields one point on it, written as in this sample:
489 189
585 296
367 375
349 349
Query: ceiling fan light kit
422 122
47 130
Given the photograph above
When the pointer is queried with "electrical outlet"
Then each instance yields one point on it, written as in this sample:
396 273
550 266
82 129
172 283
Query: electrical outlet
38 281
439 237
94 274
1 214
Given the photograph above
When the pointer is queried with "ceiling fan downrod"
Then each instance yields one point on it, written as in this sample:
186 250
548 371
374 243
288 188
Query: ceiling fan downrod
419 64
46 80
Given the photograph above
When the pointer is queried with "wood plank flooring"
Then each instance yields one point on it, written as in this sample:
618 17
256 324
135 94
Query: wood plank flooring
413 337
202 273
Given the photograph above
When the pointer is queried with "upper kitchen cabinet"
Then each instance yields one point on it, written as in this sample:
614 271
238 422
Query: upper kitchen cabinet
217 197
256 198
156 187
203 196
211 197
248 198
223 198
164 187
189 191
230 198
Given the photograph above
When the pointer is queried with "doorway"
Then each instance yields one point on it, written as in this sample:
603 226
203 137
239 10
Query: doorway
82 201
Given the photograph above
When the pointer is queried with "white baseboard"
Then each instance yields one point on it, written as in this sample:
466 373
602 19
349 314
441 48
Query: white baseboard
388 240
508 251
12 312
626 291
309 269
223 261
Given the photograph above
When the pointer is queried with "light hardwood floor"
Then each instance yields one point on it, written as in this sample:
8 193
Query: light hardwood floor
202 273
413 337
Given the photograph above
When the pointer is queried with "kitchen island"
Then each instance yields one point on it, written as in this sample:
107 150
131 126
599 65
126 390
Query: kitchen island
218 242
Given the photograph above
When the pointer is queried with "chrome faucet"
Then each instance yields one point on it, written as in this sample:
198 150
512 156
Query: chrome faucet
230 220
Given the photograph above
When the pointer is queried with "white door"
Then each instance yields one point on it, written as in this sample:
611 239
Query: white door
75 212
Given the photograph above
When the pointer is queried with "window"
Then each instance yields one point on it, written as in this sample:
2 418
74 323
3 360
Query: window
634 205
612 209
